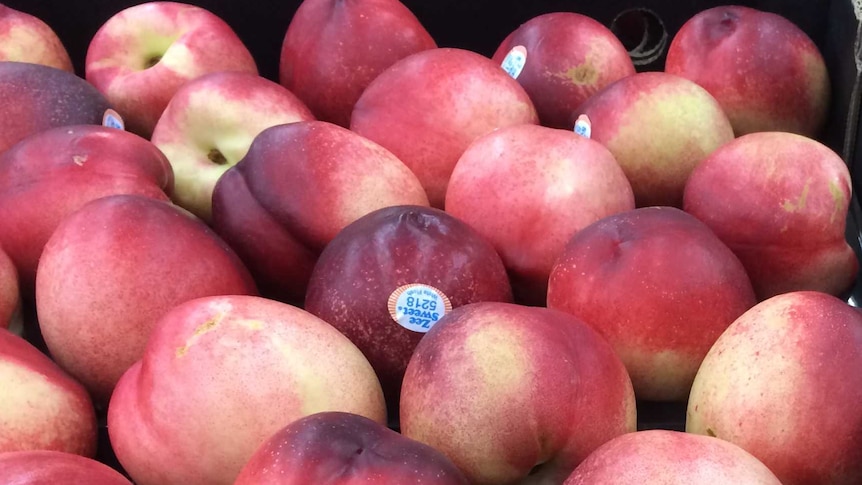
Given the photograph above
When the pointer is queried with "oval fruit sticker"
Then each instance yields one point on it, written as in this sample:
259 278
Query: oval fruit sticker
418 307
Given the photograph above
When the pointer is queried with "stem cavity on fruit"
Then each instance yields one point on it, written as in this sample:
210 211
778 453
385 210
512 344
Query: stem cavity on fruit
217 157
152 61
156 46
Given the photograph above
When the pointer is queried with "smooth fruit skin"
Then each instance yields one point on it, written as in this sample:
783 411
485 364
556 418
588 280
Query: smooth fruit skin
53 467
51 174
338 448
26 38
670 458
142 54
297 187
780 202
209 124
659 286
220 376
528 189
34 98
280 263
111 269
333 49
659 127
570 57
765 72
515 394
428 107
42 408
10 294
784 383
391 247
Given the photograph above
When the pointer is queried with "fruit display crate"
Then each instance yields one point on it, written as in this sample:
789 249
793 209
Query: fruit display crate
645 27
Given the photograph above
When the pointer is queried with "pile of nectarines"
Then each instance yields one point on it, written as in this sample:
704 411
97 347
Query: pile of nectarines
408 263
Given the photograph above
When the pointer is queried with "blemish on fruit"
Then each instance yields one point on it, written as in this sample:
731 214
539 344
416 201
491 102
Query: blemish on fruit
838 200
710 432
79 160
203 328
799 204
208 325
580 75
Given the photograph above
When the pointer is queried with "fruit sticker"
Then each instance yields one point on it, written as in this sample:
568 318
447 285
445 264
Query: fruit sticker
418 307
515 60
583 126
112 119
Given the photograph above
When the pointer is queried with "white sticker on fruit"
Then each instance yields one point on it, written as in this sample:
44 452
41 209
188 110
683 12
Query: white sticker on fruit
112 119
418 307
515 60
583 126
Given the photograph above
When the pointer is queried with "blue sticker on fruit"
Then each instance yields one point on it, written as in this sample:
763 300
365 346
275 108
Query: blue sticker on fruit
515 60
418 307
112 119
583 126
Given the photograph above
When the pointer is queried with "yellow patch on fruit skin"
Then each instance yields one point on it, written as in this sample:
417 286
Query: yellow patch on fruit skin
664 375
303 367
25 44
489 367
497 363
799 204
732 381
252 324
671 113
208 325
839 202
587 73
28 394
203 328
314 391
580 75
